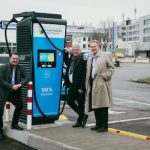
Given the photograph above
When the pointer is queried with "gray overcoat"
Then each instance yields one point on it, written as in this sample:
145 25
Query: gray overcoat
101 89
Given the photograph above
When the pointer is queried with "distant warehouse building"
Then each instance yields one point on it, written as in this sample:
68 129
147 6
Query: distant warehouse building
81 35
135 35
144 36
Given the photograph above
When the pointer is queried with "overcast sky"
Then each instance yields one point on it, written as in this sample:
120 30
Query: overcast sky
78 11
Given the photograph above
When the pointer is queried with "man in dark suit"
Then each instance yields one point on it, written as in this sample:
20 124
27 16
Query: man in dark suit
75 76
12 78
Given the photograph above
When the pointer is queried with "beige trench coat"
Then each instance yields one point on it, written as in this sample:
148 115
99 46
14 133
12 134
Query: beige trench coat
101 90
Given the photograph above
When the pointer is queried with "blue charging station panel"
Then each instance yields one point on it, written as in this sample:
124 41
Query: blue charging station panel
48 63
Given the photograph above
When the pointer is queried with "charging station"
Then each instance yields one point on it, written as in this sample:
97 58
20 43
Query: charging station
40 43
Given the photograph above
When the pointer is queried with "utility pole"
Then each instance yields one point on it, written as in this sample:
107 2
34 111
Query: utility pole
135 11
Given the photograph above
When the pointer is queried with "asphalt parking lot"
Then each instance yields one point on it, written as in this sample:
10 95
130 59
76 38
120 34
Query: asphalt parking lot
131 109
10 144
131 104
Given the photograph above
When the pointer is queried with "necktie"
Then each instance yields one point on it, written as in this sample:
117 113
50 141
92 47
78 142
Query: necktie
91 79
13 76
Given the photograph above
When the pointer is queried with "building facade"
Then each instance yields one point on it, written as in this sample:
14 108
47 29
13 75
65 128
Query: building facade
144 36
135 35
81 35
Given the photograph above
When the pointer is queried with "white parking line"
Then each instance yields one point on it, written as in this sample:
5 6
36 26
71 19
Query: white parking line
122 102
131 101
113 112
128 120
120 121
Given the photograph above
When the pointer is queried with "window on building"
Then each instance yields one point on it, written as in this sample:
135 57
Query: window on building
69 38
146 39
14 49
3 47
135 38
79 40
134 27
135 32
84 45
130 39
130 27
130 33
123 39
4 44
89 39
84 39
123 28
146 30
123 33
128 22
147 21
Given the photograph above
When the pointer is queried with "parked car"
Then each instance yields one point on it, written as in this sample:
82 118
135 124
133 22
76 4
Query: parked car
87 55
4 58
118 55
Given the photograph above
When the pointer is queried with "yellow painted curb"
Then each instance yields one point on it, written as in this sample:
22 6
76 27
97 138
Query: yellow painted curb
129 134
63 117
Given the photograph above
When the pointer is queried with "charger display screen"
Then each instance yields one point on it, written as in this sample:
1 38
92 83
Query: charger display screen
46 58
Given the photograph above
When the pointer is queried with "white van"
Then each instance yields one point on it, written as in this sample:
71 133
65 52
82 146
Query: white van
4 58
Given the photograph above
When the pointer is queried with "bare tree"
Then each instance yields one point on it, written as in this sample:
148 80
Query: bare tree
103 33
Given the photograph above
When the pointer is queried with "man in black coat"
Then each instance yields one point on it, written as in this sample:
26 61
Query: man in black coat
12 78
75 78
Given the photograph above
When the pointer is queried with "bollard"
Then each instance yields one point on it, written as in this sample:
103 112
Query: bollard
7 106
29 106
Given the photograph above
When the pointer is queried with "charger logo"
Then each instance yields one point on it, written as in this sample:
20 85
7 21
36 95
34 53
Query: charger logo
40 30
52 30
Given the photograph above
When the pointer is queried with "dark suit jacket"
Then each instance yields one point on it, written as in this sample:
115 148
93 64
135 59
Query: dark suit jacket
79 74
5 81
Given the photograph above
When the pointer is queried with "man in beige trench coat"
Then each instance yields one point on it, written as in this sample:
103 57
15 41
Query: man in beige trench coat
100 69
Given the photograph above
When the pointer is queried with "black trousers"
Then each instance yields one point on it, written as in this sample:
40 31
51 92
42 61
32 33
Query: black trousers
77 102
16 100
101 117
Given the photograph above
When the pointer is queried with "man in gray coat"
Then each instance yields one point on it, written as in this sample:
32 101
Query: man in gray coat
12 78
100 69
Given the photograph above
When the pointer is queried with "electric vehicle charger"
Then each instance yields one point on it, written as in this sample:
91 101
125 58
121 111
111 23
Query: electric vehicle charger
37 55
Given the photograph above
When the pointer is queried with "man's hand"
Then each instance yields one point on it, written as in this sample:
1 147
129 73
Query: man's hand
16 87
19 85
80 91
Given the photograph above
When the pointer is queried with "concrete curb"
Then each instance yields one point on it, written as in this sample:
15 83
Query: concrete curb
37 142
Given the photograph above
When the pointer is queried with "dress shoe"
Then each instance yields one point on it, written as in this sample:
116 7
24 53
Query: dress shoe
2 136
84 120
94 128
16 127
102 130
77 125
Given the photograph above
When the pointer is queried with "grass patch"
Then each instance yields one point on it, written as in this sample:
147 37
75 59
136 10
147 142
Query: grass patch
144 80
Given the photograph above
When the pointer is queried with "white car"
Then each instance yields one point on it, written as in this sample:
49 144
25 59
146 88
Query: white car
4 58
87 55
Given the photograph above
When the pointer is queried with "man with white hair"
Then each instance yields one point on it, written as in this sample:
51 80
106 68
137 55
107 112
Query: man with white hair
75 76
